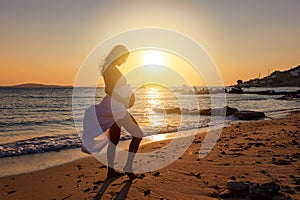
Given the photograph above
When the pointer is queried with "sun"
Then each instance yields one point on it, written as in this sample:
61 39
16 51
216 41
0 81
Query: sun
153 57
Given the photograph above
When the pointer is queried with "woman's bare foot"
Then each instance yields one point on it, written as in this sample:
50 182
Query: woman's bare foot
111 173
131 176
129 172
84 150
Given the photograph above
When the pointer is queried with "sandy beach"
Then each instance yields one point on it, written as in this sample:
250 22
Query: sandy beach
253 153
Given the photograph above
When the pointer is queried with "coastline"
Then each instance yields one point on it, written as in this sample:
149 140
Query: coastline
257 151
17 165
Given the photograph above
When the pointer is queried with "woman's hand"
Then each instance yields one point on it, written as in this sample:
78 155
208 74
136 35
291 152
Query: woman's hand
131 100
128 102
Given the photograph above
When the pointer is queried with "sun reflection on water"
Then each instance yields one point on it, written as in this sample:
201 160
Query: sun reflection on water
149 98
154 101
158 137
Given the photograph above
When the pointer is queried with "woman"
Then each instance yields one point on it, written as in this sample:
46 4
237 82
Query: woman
112 112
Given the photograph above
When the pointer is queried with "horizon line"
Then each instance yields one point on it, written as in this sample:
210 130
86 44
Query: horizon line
30 84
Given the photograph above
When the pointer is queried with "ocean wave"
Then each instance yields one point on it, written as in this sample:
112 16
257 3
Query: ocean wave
52 110
45 144
257 99
281 111
30 123
39 145
41 97
174 129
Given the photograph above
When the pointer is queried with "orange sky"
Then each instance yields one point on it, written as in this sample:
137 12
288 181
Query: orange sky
46 41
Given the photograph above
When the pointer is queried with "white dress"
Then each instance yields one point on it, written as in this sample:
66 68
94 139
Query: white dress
100 117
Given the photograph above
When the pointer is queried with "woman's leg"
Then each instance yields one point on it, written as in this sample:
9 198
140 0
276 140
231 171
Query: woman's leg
114 137
133 128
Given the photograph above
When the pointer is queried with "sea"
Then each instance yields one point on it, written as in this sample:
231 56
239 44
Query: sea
40 120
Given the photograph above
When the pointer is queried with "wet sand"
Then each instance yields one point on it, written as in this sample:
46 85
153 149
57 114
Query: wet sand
252 152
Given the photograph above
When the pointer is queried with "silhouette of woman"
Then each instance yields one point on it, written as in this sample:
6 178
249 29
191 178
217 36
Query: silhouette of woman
112 112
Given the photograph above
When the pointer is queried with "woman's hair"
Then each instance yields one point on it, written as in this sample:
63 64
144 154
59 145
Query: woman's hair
114 54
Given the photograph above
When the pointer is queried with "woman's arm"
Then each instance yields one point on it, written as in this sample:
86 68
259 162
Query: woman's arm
115 87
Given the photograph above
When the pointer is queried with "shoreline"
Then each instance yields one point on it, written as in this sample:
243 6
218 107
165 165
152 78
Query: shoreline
23 164
18 165
256 152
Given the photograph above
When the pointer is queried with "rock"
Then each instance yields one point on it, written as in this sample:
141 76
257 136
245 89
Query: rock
226 111
264 192
98 182
197 142
95 187
216 187
235 90
237 186
141 176
292 176
294 142
198 175
258 194
156 174
249 115
258 144
147 193
296 182
205 112
229 111
288 190
280 197
264 172
281 162
213 195
271 187
289 96
223 153
11 191
227 194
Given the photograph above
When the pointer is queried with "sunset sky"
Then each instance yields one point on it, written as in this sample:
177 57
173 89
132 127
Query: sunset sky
44 41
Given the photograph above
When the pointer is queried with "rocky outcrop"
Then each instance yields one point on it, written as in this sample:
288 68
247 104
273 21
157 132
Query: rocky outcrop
265 191
249 115
290 96
225 111
288 78
246 190
237 186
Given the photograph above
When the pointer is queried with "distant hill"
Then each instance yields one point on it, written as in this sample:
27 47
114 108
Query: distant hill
35 85
288 78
